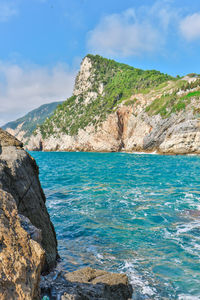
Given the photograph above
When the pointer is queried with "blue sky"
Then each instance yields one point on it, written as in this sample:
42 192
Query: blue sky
43 42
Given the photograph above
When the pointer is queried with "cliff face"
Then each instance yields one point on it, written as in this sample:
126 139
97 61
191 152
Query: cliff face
21 257
116 107
19 177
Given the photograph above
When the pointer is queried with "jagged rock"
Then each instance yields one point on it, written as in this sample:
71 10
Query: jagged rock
21 258
86 284
19 177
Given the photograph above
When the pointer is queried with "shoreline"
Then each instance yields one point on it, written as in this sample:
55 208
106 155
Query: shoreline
120 152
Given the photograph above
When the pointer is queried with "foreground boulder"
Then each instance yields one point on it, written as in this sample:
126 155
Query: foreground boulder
19 177
21 258
87 284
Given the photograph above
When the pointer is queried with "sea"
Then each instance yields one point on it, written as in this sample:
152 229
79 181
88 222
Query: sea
132 213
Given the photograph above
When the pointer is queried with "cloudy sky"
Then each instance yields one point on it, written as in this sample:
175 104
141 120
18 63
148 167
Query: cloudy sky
44 41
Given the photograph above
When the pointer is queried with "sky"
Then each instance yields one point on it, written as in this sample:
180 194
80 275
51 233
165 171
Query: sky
42 43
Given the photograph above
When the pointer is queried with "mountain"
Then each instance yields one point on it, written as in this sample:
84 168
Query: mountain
23 127
116 107
100 86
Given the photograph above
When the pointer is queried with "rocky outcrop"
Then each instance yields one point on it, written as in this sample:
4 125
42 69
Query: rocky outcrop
106 139
88 284
182 138
21 258
19 177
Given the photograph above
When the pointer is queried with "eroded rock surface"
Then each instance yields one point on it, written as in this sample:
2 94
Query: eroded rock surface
21 258
19 177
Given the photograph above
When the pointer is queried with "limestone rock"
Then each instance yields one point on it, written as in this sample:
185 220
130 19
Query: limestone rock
182 138
82 83
19 177
21 258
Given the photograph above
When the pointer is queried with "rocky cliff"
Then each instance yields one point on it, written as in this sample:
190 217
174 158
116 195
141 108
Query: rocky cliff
21 257
116 107
19 177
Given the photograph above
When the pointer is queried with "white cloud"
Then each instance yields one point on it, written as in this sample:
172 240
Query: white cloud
135 32
7 11
190 27
165 14
25 88
123 35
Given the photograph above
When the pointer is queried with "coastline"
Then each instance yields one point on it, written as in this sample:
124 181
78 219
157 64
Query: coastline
125 152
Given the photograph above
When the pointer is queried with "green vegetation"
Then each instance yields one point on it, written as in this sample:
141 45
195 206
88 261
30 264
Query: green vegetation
170 103
193 94
120 81
130 102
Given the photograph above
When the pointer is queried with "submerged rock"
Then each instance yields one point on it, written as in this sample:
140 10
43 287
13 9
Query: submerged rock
19 177
21 258
87 284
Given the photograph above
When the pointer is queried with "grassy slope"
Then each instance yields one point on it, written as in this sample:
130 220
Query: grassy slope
174 102
120 82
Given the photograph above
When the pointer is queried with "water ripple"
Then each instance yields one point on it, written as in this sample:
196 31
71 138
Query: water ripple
138 214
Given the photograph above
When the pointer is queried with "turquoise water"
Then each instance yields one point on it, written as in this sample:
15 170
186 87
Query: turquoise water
138 214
